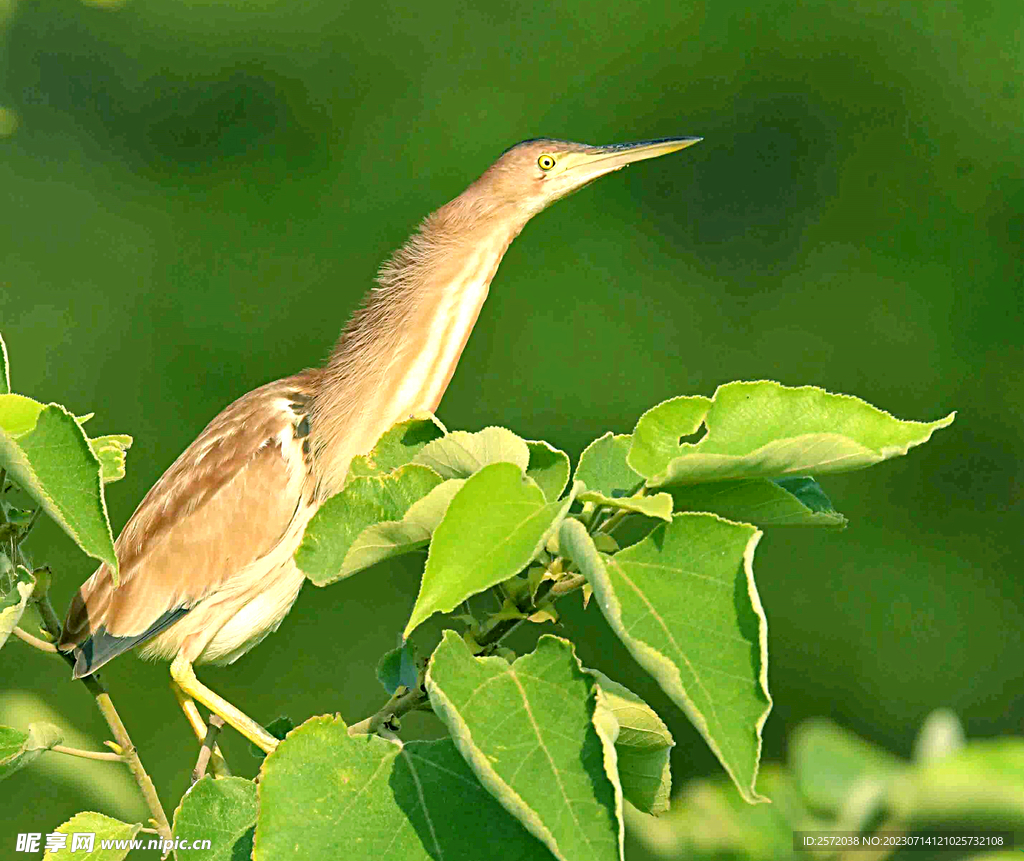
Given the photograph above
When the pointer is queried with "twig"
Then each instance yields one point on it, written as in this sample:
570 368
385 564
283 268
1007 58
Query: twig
404 700
35 642
130 755
105 755
213 728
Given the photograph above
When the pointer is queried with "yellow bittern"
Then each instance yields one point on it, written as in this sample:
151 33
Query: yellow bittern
206 559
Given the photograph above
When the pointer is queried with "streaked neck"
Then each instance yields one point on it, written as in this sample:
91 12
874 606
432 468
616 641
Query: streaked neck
398 353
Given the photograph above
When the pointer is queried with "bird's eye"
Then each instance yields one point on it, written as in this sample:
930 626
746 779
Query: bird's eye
546 162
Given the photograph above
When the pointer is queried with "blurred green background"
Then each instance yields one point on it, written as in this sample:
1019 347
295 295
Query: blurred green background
198 193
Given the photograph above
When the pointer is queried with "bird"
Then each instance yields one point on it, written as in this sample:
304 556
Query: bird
206 561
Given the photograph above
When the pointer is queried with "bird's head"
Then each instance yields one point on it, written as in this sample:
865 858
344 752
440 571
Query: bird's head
535 173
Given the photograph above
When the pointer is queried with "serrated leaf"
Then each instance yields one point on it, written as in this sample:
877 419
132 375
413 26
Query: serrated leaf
494 527
110 451
5 371
18 749
549 467
460 453
643 743
603 466
784 502
394 538
326 794
767 430
659 505
399 667
363 502
46 452
222 811
397 446
105 828
14 602
683 601
527 730
828 762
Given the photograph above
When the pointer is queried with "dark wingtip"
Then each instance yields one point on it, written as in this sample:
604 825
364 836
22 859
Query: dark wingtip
102 646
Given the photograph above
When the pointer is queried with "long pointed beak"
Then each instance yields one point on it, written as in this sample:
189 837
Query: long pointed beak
600 160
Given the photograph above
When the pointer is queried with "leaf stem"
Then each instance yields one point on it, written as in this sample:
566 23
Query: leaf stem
104 755
35 642
405 700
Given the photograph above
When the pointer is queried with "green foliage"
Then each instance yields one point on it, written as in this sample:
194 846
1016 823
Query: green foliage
837 782
331 548
397 446
18 749
767 430
46 452
543 754
684 602
104 828
15 589
495 525
527 730
327 794
225 808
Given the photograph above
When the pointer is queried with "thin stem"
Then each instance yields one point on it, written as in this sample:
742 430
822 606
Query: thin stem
34 642
405 700
129 754
104 755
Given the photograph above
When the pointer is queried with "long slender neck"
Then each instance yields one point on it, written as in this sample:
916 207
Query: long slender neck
398 353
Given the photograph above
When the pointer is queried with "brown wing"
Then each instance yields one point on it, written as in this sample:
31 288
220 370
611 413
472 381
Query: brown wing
220 506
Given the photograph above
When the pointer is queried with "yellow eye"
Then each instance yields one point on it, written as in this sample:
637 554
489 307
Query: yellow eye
546 162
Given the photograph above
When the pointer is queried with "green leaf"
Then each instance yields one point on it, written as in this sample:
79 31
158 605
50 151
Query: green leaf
460 453
397 446
761 501
829 762
222 811
5 371
683 601
364 502
14 602
399 668
659 505
767 430
47 453
104 828
18 749
494 527
643 744
549 467
603 466
110 451
527 731
710 822
326 794
982 781
394 538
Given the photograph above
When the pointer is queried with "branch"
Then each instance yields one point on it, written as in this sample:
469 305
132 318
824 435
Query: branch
130 755
35 642
404 700
104 755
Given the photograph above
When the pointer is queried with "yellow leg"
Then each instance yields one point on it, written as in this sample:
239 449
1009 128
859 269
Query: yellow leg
185 677
218 766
